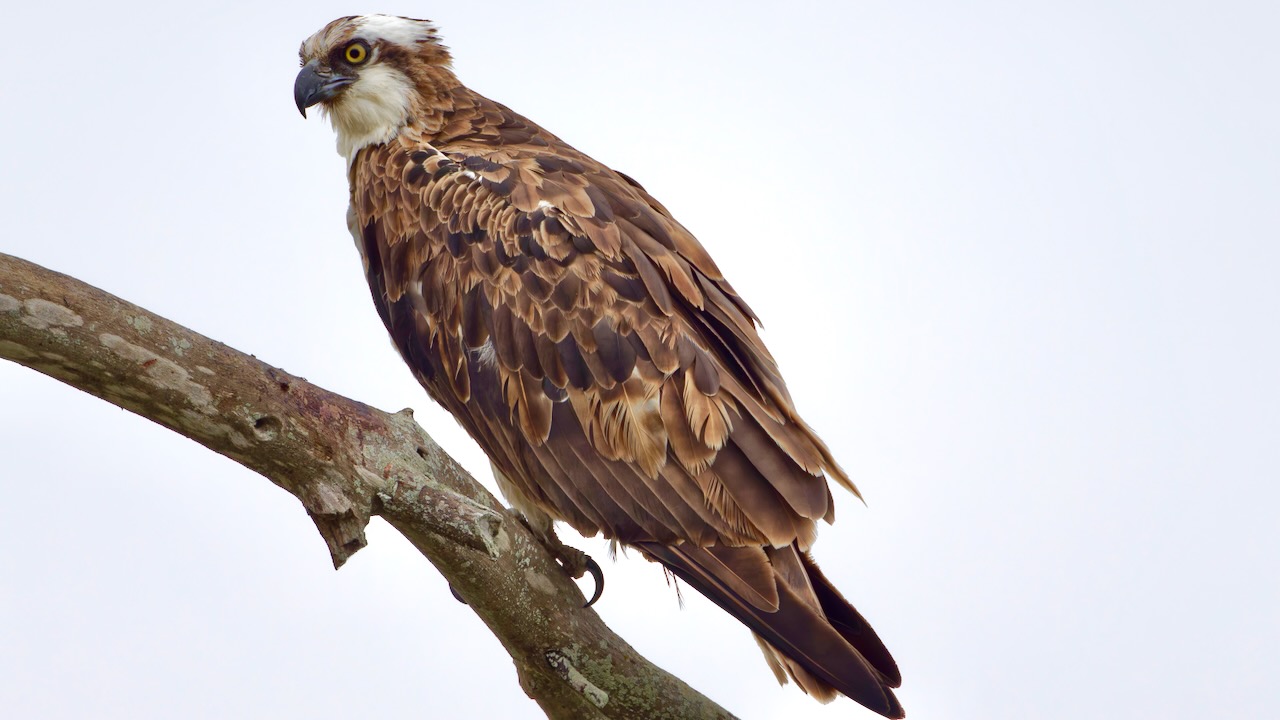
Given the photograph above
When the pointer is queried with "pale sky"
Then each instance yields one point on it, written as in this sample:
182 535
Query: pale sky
1018 262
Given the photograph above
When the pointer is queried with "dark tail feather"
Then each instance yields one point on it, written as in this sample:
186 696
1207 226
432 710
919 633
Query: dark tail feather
834 646
851 625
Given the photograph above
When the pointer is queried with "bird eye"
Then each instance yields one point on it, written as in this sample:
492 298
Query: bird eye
357 53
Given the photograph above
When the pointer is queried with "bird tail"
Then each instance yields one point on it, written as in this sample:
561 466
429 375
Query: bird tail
805 627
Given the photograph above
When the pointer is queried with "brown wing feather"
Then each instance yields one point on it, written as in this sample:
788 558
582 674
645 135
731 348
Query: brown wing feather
629 361
591 346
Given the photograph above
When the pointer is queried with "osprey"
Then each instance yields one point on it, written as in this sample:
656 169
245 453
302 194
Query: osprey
590 345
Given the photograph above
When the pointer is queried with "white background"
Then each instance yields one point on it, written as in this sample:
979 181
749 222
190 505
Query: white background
1018 262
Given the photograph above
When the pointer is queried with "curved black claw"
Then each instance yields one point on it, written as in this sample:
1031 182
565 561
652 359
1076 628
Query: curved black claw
456 596
597 574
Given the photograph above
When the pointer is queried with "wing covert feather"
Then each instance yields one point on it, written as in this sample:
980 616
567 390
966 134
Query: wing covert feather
562 284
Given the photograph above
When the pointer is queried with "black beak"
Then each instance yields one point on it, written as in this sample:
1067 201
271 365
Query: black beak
316 85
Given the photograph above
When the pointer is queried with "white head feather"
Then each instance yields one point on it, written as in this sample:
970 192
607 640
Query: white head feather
376 106
393 29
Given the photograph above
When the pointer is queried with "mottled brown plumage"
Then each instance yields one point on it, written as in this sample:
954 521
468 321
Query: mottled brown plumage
590 345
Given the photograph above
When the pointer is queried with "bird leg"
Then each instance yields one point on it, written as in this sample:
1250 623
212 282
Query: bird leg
575 562
542 526
540 523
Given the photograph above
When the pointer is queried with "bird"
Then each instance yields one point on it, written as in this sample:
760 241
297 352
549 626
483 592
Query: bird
590 345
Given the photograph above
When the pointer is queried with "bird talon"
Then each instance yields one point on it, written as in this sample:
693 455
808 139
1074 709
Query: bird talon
597 574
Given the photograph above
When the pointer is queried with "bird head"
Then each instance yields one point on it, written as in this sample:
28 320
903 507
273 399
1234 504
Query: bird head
368 72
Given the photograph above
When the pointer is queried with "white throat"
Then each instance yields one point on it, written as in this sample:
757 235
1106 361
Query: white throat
371 110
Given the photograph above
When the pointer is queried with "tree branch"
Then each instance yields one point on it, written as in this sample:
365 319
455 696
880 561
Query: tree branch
346 462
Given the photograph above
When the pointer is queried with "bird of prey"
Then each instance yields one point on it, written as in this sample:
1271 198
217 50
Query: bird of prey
590 345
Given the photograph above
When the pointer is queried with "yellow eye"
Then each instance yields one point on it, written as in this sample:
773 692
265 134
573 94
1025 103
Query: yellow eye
357 53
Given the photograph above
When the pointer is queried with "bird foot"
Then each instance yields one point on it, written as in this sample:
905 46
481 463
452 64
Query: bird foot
575 562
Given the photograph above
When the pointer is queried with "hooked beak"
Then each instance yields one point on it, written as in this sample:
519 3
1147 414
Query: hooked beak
315 85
